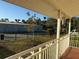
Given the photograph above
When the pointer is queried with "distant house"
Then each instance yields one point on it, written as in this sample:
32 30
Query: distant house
12 27
6 27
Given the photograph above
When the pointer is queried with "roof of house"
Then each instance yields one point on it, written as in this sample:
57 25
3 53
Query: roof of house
13 23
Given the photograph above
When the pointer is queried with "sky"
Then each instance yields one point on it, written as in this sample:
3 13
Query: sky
12 12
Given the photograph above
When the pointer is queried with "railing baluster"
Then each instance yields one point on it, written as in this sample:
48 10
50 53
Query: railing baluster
77 42
32 54
36 56
20 57
40 52
49 51
43 55
51 48
47 46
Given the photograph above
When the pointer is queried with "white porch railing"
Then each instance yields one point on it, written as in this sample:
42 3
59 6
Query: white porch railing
63 44
74 41
44 51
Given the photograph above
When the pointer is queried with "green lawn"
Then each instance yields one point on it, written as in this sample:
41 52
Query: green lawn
10 47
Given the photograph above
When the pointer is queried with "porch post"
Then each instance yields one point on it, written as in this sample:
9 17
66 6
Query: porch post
58 35
69 26
69 30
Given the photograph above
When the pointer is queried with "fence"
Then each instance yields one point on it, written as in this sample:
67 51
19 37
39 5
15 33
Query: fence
12 36
15 36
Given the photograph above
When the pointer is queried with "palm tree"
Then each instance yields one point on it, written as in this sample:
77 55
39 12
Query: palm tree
28 13
17 20
6 19
44 18
23 21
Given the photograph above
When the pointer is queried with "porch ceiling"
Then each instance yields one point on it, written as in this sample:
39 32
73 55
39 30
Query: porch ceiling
49 7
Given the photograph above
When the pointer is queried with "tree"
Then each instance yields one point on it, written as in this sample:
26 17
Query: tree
38 21
51 22
31 20
28 13
23 21
43 23
75 23
51 25
44 18
6 19
17 20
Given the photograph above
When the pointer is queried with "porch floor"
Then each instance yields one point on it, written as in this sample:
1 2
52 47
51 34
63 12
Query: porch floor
71 53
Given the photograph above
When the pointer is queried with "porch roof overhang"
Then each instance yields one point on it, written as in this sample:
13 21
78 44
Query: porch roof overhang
69 8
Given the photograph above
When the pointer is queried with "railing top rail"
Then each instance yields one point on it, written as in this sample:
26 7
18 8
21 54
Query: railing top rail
63 37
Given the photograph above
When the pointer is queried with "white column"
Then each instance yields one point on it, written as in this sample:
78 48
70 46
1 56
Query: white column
58 36
69 26
58 28
69 30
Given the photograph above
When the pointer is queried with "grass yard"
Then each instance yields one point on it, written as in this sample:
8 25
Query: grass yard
10 47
